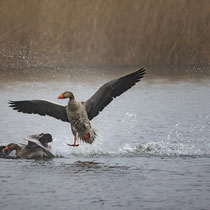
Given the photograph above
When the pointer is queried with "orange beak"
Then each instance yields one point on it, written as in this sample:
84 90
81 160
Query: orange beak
5 148
60 96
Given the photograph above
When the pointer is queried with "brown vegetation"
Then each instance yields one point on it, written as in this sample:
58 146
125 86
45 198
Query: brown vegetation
37 33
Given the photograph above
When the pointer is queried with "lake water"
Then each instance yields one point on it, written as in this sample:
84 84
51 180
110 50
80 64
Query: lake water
152 149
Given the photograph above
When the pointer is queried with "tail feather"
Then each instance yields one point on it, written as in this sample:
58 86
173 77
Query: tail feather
92 137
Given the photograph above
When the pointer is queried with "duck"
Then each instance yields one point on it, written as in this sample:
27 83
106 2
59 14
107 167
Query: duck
37 147
79 114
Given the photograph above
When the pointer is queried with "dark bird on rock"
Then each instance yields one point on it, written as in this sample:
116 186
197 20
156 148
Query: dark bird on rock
79 114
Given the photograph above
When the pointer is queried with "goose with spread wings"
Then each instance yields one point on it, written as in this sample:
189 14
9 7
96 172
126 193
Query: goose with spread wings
79 114
37 147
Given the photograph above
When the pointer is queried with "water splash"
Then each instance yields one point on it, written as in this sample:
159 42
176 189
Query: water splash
160 149
165 150
61 149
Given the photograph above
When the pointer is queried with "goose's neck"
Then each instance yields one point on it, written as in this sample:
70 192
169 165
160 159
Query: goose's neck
15 147
73 105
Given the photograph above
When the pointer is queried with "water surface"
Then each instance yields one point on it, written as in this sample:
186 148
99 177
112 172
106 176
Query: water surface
152 149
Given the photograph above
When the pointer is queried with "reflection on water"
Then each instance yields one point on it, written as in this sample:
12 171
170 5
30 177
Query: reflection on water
87 166
151 153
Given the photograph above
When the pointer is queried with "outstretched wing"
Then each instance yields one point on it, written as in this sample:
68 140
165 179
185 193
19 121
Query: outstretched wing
33 144
105 94
40 107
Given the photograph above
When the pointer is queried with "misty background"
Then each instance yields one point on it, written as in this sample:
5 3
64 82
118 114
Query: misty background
168 37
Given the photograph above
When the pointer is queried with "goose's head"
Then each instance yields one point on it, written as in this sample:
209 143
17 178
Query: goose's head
10 147
66 94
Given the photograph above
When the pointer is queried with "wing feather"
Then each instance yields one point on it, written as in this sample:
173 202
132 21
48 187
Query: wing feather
40 107
107 92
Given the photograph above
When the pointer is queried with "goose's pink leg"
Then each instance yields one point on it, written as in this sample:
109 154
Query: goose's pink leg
74 145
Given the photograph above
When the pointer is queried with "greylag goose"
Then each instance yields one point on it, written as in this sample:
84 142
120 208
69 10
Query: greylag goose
37 147
79 114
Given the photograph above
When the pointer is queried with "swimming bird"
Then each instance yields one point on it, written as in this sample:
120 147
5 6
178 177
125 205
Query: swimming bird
79 114
37 147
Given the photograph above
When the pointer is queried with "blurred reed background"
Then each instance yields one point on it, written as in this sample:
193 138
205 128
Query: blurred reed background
166 35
